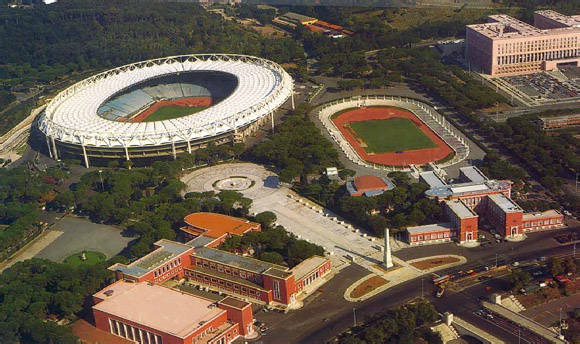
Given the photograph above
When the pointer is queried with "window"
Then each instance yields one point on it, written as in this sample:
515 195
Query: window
276 285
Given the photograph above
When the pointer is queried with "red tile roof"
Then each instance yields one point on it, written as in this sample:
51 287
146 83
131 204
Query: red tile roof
216 225
369 183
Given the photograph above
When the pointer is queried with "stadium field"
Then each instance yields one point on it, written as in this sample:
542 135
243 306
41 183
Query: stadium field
172 111
391 135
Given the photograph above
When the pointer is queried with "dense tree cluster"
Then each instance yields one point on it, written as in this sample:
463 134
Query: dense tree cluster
297 147
404 325
550 157
406 205
273 244
36 293
22 193
263 15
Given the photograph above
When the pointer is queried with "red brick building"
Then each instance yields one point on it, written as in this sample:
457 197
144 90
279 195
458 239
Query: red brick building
148 313
230 273
475 197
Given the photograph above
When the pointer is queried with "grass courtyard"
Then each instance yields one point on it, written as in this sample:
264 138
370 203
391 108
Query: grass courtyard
172 111
92 258
391 135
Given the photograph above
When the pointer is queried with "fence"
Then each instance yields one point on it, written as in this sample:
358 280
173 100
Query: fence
436 122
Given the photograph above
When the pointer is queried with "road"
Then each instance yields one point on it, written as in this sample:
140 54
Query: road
327 314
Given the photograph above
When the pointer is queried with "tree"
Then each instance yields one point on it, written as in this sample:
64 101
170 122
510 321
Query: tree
266 218
519 279
272 257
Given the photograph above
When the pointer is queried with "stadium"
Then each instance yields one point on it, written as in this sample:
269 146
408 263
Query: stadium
392 133
164 107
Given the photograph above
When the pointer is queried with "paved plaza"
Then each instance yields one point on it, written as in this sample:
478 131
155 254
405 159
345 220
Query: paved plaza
344 242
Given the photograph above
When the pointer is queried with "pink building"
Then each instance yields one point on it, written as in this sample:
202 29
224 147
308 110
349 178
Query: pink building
506 46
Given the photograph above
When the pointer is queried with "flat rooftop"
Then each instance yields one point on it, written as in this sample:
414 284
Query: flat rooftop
234 260
432 179
541 215
502 26
560 18
200 241
158 307
217 225
430 228
464 189
505 203
473 174
460 209
307 266
166 251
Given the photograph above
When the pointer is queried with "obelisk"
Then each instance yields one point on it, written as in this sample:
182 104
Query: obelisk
388 260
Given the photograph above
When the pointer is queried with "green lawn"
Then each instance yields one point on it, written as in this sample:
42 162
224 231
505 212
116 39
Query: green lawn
391 135
92 258
172 111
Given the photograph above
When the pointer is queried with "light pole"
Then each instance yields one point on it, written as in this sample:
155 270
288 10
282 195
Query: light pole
101 177
421 287
354 316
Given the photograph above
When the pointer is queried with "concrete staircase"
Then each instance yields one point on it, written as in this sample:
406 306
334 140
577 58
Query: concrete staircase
512 304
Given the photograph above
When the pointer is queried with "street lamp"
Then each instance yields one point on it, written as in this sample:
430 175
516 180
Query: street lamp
101 177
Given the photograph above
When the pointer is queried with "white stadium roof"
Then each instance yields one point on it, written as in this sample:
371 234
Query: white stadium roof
71 117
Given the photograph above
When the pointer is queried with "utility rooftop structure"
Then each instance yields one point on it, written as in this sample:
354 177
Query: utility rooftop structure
507 46
88 120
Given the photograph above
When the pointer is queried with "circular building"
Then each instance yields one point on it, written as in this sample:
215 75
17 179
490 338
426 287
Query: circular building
164 106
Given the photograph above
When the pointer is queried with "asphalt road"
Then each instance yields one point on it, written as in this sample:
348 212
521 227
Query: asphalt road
327 314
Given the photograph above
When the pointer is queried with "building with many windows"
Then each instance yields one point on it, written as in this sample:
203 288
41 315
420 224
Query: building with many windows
148 313
202 264
507 46
474 197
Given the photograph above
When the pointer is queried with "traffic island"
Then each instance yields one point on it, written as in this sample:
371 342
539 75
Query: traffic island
365 288
434 263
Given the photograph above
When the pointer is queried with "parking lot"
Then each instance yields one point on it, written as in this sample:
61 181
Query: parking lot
543 88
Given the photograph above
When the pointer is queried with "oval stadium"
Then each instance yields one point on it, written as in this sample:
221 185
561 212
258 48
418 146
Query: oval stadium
164 107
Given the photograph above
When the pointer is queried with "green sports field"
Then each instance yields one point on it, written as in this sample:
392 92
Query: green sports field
391 135
172 111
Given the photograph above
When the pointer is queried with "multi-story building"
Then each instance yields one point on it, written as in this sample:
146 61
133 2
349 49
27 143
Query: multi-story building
558 122
201 263
436 233
216 226
147 313
507 46
473 197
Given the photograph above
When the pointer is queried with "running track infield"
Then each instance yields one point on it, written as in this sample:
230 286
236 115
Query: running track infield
417 156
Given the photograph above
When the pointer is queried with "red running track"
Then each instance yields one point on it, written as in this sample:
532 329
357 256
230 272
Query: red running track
185 102
416 157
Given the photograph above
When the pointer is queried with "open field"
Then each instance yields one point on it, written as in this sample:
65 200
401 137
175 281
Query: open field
391 135
403 143
431 263
172 111
368 286
92 258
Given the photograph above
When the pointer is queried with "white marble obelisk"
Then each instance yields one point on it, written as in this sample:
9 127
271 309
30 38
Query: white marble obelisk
388 259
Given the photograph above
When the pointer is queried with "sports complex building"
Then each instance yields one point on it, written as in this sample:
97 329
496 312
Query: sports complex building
476 197
164 106
200 262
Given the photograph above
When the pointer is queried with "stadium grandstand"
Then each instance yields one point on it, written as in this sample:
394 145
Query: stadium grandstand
163 107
